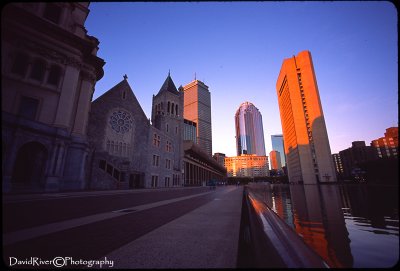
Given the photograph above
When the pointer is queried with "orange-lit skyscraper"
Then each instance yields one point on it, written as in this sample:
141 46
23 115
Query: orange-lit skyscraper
197 108
306 140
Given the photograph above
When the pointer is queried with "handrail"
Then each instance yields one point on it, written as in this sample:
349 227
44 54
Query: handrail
292 250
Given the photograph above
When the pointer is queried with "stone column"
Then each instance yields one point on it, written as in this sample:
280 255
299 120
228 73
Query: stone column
82 110
67 96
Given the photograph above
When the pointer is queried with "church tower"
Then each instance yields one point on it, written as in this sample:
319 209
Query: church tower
166 135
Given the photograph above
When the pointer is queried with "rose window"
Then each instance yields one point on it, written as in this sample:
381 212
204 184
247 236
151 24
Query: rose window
121 122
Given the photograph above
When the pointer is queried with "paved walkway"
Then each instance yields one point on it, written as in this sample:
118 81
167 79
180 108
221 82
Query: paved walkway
207 237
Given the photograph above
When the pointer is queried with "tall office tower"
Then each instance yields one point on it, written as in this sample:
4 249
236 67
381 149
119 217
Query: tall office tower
275 158
197 108
278 145
307 149
249 130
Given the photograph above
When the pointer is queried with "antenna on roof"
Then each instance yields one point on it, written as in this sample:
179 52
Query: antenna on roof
195 76
169 72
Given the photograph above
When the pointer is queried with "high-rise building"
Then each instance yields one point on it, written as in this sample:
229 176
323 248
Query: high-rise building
275 158
197 108
387 146
249 130
307 149
278 145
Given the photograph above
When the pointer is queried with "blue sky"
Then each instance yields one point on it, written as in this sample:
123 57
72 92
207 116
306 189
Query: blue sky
237 49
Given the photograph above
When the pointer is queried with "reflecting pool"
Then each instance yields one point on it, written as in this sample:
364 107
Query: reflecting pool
348 225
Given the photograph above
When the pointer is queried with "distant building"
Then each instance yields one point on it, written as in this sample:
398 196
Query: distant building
307 149
249 130
275 158
190 130
220 158
49 70
197 108
354 156
337 161
278 145
247 165
387 146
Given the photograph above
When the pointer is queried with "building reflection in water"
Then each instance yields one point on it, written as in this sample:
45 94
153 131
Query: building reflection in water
315 213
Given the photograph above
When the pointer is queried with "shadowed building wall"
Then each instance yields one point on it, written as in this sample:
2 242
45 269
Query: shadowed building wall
49 70
306 140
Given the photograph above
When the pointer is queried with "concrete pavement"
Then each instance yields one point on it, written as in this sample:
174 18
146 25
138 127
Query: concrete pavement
206 237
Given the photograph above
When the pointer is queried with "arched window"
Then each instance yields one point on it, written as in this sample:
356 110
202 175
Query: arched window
176 109
120 148
168 107
38 70
172 108
54 75
124 95
20 64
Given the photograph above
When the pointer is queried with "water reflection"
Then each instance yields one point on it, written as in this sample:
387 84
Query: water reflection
347 225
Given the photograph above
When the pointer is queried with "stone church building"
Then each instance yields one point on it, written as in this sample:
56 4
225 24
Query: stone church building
129 151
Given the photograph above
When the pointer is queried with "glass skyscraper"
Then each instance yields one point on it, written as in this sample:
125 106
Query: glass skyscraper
278 145
249 130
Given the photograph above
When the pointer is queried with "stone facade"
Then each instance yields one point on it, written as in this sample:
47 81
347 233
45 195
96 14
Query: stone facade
117 129
165 139
127 151
49 70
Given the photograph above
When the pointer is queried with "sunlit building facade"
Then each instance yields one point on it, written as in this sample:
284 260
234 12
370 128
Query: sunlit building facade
387 146
197 108
247 165
307 149
278 145
249 130
275 158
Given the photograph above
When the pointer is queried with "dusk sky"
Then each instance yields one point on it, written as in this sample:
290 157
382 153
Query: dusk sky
237 49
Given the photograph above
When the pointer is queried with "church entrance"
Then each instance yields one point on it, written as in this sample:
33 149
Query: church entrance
29 167
134 181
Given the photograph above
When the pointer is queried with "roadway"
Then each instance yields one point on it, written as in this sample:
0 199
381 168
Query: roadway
149 228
